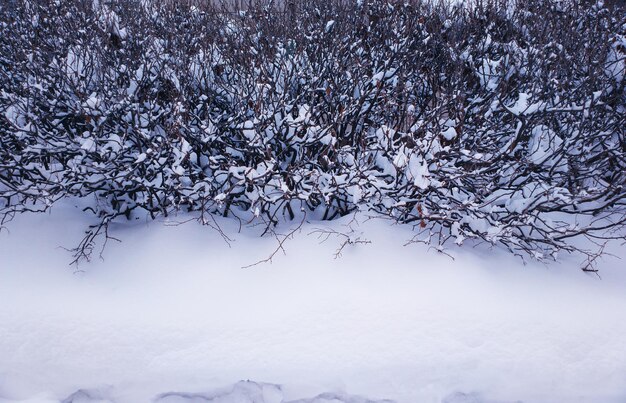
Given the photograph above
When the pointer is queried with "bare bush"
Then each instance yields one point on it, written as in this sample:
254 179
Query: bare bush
496 122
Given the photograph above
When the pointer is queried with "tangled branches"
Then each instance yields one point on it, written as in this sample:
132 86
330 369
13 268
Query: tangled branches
497 122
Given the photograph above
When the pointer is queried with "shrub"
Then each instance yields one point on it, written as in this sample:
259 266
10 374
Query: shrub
493 121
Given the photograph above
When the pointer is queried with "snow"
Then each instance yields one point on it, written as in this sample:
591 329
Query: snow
418 171
88 144
169 315
542 144
616 63
141 158
248 130
449 134
329 25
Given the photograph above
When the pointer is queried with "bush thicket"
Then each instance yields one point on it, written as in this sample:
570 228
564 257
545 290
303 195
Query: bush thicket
496 121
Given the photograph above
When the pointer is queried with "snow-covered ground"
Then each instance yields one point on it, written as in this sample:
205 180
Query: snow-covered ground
170 316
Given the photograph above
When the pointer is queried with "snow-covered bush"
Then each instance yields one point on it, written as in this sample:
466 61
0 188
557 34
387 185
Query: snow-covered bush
496 122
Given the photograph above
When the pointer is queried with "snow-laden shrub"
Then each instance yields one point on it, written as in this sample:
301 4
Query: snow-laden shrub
502 123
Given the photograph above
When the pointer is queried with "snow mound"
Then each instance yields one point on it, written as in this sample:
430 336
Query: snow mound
88 396
253 392
241 392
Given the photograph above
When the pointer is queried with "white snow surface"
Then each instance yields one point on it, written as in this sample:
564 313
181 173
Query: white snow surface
170 316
